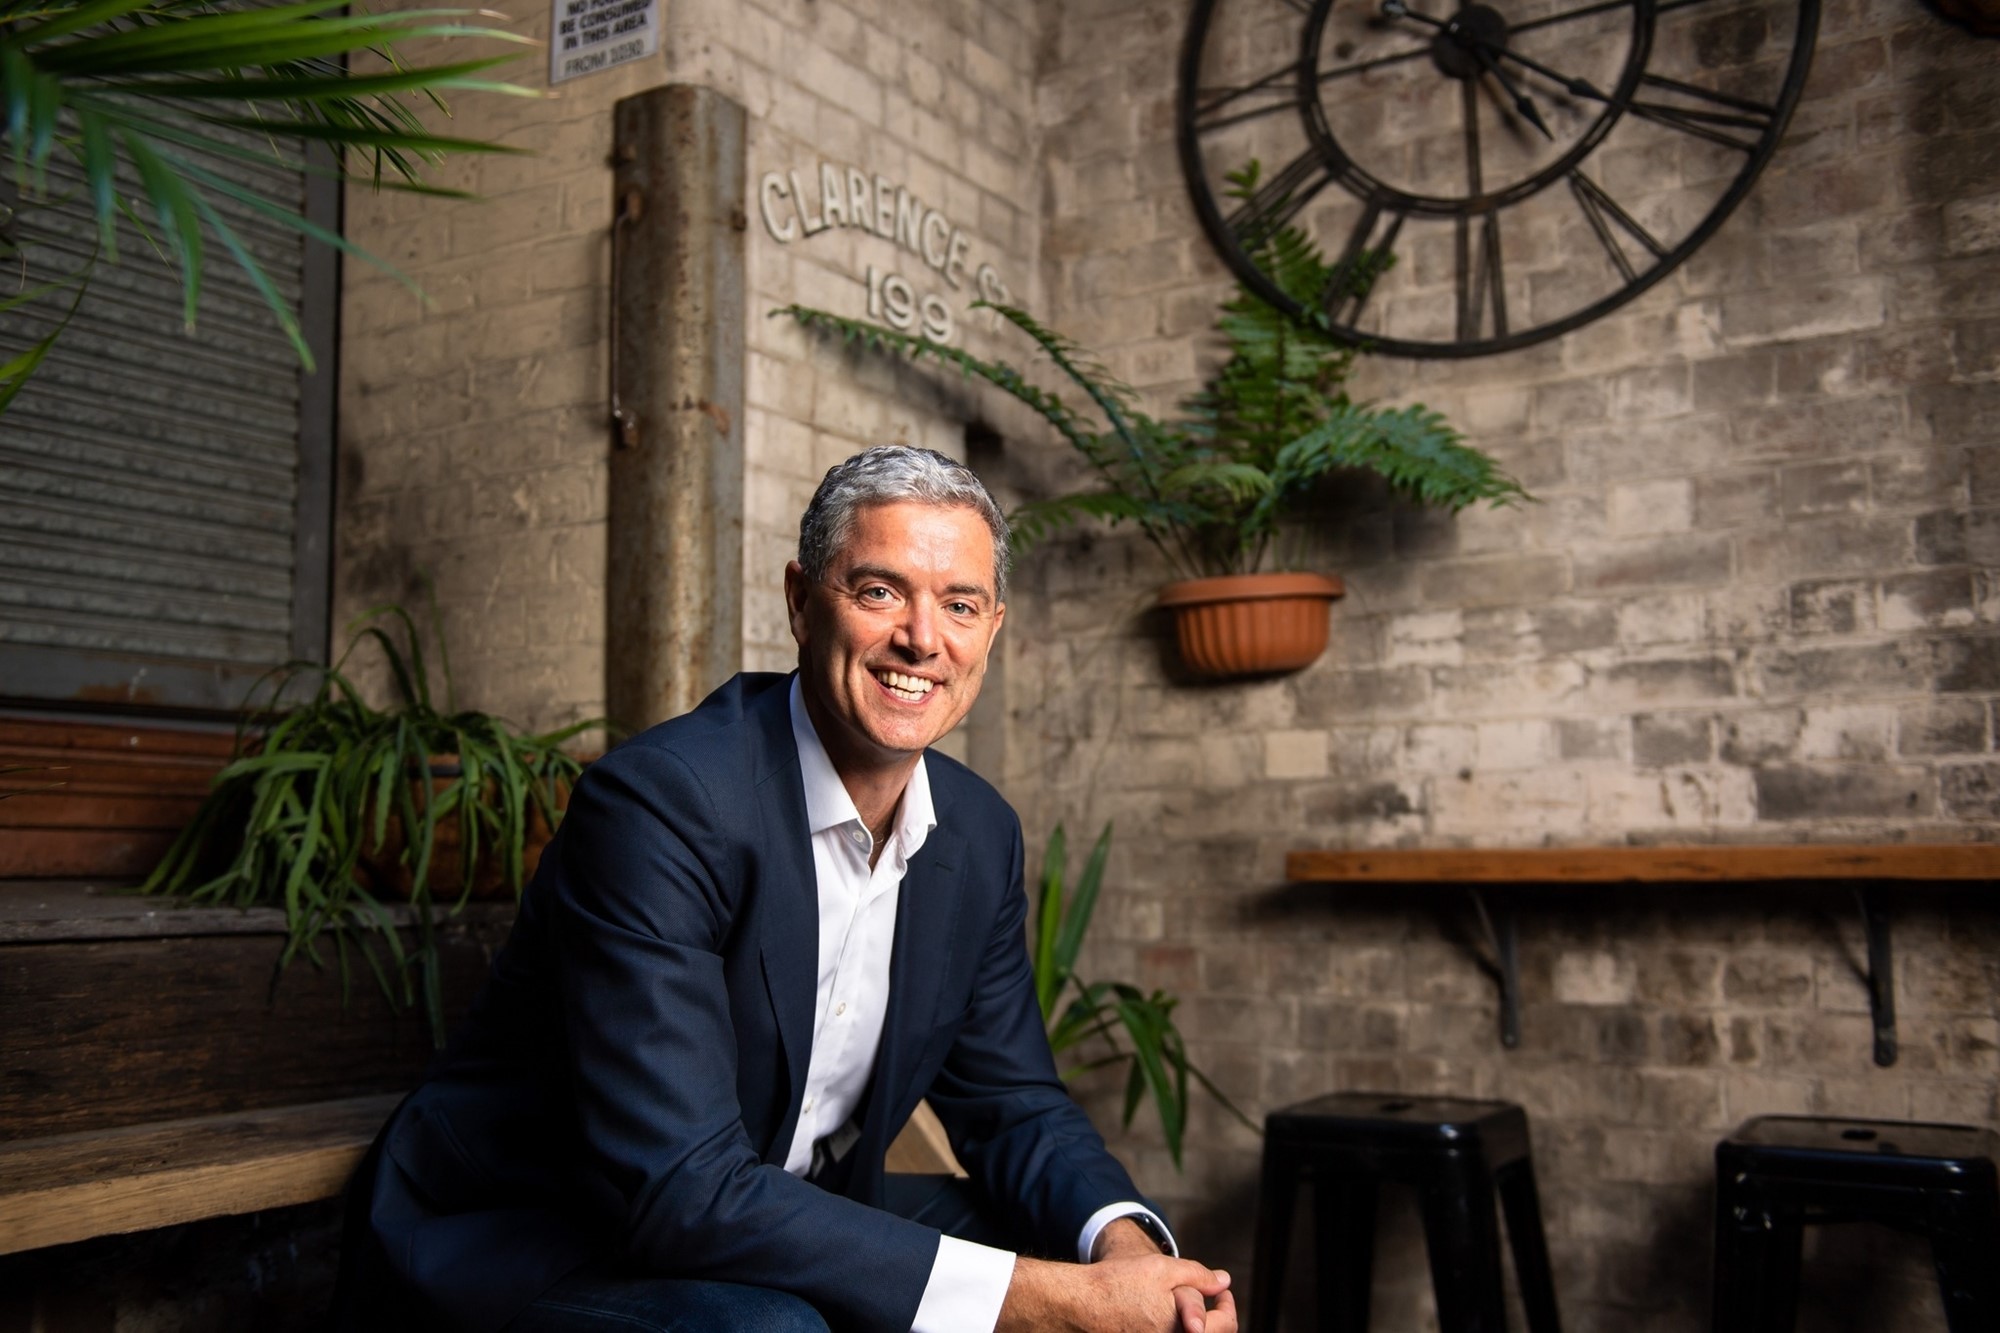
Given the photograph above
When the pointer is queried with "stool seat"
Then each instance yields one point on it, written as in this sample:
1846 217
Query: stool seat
1462 1156
1390 1123
1777 1175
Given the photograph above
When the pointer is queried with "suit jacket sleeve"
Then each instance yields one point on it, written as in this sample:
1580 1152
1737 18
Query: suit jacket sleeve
1009 1116
651 875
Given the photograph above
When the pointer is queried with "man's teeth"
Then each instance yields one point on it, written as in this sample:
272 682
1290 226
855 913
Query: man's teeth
904 687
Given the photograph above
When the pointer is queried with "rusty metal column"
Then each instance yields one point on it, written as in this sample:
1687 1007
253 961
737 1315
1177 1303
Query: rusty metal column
674 601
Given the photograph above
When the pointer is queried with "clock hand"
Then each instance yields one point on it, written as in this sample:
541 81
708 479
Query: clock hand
1483 51
1488 51
1522 103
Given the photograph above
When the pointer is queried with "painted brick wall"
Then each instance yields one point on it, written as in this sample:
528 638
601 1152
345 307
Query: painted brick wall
1754 604
472 441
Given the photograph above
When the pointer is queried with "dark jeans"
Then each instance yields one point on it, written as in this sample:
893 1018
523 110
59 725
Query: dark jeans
599 1298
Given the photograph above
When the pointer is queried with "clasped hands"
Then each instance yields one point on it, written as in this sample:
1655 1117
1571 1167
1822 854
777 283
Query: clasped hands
1130 1288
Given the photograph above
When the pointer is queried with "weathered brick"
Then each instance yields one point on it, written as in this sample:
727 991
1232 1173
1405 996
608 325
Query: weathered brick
1966 664
1894 666
1941 727
1494 580
1591 738
1661 739
1664 681
1859 732
1928 600
1792 793
1805 312
1735 499
1767 981
1760 735
1688 558
1843 606
1970 791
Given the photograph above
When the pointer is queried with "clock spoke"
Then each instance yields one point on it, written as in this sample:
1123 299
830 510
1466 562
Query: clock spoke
1277 200
1580 12
1370 249
1374 63
1482 288
1468 101
1711 118
1601 211
1281 84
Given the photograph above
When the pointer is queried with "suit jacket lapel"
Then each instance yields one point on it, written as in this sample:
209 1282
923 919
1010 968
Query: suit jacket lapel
789 904
926 930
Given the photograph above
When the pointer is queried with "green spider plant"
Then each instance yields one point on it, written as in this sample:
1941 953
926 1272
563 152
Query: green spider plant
1114 1022
1230 486
320 788
153 90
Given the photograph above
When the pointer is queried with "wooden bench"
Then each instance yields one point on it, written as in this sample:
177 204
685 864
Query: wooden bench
71 1187
1870 872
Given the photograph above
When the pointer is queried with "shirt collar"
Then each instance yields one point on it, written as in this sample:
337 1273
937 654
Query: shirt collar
827 803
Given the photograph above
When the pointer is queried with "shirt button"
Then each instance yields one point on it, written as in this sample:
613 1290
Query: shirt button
840 1009
808 1104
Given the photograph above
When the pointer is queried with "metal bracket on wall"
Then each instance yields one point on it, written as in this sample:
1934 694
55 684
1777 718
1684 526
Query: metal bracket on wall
1880 976
1502 935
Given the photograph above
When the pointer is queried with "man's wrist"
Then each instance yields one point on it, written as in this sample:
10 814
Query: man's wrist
1121 1238
1089 1249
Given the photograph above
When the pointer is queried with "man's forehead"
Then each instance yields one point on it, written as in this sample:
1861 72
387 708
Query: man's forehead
976 535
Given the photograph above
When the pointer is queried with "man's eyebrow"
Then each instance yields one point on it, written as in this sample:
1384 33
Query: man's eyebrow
856 573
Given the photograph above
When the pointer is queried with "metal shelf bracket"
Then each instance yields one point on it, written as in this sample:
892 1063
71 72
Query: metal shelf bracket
1880 976
1497 921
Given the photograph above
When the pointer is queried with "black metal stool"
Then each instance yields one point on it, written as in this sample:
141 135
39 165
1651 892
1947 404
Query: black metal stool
1778 1174
1457 1153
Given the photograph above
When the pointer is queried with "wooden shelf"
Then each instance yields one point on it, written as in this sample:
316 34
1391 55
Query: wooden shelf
1647 865
1869 872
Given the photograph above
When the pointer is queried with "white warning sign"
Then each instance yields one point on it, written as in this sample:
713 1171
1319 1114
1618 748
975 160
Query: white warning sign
590 35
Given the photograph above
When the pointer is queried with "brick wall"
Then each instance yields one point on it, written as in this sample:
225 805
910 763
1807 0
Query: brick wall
1754 604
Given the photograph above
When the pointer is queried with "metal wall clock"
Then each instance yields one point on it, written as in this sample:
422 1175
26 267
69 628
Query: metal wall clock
1525 166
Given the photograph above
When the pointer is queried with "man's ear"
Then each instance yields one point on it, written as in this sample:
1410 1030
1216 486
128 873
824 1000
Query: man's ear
798 588
999 619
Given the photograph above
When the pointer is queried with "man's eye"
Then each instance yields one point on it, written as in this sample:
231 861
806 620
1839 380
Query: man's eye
877 593
962 608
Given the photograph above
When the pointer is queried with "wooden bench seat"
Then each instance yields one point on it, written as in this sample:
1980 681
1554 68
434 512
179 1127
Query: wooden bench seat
70 1187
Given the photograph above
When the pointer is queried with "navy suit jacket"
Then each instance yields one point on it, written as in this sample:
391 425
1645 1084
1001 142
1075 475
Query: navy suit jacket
629 1080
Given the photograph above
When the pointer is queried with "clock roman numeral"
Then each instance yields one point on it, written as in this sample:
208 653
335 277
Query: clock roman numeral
1278 200
1219 108
1601 210
1370 248
1482 287
1712 116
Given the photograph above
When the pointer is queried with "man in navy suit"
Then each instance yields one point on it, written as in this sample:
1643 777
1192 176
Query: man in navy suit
765 930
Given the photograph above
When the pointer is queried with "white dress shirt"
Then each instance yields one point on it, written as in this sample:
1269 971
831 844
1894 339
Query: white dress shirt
857 935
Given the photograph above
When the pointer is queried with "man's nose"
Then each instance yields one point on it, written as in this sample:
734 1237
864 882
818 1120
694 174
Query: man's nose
917 635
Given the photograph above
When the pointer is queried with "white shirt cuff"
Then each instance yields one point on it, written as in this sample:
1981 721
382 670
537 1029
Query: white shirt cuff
967 1288
1110 1213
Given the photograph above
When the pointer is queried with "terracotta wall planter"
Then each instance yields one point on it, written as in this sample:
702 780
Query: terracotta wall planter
1251 624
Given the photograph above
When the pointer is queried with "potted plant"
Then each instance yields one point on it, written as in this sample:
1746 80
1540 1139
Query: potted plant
1226 491
1121 1024
338 812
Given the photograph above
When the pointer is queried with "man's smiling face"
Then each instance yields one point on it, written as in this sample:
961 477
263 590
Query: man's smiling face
893 642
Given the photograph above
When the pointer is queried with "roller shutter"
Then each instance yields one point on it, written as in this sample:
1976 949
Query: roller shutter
163 491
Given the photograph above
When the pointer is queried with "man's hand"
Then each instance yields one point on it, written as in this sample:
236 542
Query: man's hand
1124 1292
1126 1239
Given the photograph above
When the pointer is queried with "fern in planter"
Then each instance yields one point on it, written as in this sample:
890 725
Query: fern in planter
332 801
1121 1024
1216 489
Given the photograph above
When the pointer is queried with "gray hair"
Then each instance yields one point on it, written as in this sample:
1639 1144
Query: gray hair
886 474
